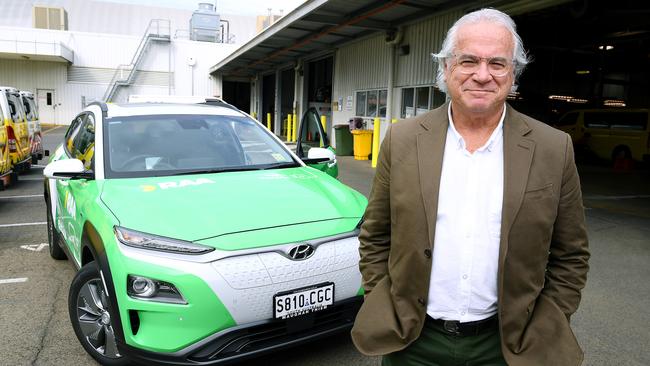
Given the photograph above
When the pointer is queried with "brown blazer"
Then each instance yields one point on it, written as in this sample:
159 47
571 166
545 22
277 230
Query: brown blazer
543 250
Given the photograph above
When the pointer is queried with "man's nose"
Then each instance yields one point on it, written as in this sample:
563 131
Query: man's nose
482 75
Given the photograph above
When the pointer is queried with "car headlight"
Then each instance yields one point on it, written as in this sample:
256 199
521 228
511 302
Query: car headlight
141 240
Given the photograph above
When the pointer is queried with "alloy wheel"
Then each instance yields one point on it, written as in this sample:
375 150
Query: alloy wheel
95 320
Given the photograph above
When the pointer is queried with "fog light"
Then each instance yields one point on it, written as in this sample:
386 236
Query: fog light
142 286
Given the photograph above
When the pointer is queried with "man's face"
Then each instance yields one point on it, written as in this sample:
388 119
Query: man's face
480 92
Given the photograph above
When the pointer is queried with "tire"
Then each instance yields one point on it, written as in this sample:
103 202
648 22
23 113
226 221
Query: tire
14 177
34 159
91 317
53 237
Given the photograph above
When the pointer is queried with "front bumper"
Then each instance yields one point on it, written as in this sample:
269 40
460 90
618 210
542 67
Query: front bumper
255 339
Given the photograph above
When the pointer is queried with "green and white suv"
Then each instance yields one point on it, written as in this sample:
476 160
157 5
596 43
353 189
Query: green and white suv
199 237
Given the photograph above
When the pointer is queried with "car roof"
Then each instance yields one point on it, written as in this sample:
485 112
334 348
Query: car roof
27 93
9 89
148 108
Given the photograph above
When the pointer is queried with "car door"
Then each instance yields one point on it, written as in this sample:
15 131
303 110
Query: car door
74 194
311 134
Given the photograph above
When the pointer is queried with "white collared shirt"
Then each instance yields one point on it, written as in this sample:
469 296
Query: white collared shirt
468 228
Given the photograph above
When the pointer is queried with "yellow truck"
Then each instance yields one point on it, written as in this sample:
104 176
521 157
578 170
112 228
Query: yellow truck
609 133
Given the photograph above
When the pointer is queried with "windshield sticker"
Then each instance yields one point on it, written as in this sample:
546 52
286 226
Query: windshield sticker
180 184
278 157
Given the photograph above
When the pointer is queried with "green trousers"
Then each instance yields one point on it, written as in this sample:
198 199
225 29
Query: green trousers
434 347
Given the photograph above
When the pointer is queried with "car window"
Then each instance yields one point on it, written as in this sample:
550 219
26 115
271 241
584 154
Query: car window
83 143
598 119
30 108
139 146
310 132
637 121
73 130
15 107
568 119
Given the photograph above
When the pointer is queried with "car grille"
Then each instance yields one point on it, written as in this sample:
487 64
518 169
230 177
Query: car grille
250 281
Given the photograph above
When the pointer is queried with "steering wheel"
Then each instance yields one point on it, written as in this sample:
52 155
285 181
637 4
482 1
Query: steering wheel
140 159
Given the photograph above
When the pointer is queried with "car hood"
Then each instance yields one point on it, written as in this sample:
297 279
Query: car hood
207 207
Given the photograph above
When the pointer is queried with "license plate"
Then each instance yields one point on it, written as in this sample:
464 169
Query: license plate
304 300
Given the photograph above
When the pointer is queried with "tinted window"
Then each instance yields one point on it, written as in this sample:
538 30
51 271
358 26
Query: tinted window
310 134
617 120
597 119
140 146
83 143
568 119
630 121
16 107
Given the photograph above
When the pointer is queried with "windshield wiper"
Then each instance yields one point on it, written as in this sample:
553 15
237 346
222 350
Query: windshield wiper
286 164
218 170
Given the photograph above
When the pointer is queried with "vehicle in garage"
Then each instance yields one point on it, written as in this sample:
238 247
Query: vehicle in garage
33 126
198 236
609 133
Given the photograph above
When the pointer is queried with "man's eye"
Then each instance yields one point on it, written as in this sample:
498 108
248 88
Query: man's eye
467 62
498 64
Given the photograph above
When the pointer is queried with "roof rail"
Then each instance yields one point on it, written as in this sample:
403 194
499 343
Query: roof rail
102 106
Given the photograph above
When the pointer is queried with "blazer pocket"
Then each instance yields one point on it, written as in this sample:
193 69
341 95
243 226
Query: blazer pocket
539 193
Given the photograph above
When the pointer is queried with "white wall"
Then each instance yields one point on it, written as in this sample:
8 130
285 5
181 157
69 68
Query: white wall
97 56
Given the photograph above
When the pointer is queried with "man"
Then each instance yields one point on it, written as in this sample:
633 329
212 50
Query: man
473 249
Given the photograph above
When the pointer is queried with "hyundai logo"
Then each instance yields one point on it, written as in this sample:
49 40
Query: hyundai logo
301 252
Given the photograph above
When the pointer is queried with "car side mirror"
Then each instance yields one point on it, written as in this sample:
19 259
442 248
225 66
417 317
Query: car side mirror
319 155
67 169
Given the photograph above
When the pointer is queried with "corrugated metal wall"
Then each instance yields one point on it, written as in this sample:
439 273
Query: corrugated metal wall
424 38
364 65
358 66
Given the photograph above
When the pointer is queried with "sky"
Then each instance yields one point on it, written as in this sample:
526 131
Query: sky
236 7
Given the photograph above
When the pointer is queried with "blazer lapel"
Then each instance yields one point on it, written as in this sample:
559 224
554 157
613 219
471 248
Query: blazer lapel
518 155
430 148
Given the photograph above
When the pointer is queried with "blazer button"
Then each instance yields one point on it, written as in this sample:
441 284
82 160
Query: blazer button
421 301
427 253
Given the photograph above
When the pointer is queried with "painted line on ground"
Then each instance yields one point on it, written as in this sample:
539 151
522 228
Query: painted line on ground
628 197
13 280
35 247
38 166
51 129
19 197
24 224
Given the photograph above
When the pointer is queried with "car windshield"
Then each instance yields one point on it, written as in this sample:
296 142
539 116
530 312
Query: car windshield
159 145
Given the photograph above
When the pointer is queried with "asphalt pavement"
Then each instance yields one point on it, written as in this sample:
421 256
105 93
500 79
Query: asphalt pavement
611 324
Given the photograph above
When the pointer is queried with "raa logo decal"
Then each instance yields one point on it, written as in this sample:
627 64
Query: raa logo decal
179 184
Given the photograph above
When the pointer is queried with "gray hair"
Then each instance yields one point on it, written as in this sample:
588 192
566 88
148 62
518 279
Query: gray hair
519 57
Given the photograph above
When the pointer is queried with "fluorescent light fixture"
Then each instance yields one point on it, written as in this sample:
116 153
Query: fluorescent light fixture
606 47
583 72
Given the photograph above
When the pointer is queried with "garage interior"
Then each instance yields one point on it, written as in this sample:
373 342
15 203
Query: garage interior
586 54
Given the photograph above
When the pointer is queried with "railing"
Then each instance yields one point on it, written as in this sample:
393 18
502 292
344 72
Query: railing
157 30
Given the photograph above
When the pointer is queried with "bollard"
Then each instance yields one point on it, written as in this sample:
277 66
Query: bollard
375 142
323 121
268 121
294 128
254 115
393 120
289 125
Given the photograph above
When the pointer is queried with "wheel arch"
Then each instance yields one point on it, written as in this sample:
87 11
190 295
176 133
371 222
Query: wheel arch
93 249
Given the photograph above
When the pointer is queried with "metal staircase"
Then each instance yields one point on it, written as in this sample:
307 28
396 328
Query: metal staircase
159 30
